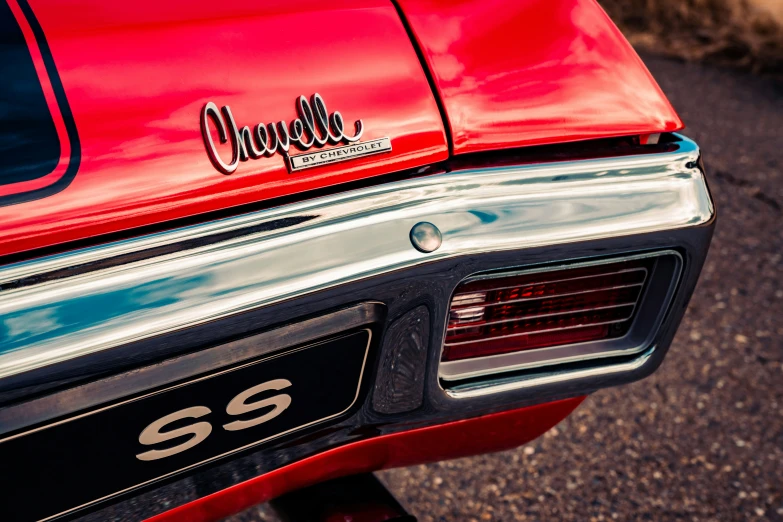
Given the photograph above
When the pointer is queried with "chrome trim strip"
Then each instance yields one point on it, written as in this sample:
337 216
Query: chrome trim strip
539 316
554 296
489 277
548 359
347 237
499 386
530 299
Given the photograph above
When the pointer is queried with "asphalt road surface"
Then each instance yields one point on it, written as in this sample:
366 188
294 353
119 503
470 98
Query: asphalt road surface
702 439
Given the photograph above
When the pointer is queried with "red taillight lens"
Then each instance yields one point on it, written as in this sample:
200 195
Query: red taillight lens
508 313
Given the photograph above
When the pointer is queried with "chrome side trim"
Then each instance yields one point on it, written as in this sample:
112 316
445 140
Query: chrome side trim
497 386
347 237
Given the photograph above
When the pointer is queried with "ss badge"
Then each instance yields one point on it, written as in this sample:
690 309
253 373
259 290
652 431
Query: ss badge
199 431
214 404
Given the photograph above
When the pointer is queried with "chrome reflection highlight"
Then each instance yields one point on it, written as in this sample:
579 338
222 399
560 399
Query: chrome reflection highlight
354 235
426 237
506 385
266 139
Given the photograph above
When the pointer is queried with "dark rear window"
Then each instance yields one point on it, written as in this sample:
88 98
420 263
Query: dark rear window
29 146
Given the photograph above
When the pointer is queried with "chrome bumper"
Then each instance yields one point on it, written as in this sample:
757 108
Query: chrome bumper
68 306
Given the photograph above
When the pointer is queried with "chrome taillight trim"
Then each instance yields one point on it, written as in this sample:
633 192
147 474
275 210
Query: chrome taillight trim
592 276
468 324
553 314
335 240
541 359
500 385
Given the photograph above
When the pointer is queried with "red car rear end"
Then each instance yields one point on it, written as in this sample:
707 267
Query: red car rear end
250 248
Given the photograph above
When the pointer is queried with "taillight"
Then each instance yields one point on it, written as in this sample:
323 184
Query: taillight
513 312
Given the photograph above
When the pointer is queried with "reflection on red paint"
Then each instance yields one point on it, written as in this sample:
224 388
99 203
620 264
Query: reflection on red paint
535 72
496 432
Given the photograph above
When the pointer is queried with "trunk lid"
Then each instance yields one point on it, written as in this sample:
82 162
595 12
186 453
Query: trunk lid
102 123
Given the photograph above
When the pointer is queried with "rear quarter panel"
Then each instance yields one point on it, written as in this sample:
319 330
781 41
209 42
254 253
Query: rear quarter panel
535 72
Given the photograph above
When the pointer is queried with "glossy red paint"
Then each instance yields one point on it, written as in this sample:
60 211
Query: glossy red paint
534 72
496 432
136 75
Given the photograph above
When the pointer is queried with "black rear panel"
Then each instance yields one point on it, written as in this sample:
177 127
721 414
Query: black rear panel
104 452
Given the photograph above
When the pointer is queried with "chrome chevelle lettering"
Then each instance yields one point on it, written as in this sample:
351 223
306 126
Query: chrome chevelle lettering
314 127
199 431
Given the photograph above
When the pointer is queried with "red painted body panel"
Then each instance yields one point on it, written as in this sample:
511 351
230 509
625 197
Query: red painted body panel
136 75
535 72
496 432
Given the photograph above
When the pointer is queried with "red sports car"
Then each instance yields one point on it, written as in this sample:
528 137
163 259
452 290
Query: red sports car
251 247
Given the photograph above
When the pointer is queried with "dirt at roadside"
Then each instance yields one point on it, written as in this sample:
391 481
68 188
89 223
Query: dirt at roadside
743 33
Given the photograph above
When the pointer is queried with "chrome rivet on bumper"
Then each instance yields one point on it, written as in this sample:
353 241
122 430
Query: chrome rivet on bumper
426 237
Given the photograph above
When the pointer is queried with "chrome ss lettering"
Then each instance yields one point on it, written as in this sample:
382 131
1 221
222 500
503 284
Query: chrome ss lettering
238 406
152 434
199 431
314 127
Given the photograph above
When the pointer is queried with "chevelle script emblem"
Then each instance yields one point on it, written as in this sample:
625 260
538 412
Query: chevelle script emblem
314 128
